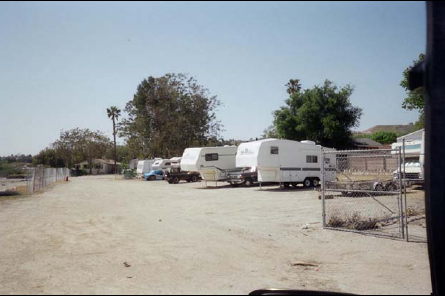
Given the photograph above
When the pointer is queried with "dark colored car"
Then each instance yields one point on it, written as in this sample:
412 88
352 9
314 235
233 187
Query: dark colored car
176 175
247 177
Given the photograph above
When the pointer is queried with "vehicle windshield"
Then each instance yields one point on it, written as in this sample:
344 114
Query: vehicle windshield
214 148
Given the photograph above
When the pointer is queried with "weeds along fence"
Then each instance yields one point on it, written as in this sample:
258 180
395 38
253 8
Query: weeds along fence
39 178
361 194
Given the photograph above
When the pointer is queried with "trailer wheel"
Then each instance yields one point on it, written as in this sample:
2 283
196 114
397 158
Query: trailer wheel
315 182
307 183
176 180
379 188
248 182
391 187
194 178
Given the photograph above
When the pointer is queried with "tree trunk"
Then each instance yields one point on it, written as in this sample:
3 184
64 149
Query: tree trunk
115 148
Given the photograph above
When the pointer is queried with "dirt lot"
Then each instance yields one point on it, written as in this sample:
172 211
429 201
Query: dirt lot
184 239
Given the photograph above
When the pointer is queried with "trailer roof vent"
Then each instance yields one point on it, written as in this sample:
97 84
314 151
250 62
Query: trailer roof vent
308 142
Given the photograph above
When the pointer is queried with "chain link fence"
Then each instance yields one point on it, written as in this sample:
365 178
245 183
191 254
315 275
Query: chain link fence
367 196
39 178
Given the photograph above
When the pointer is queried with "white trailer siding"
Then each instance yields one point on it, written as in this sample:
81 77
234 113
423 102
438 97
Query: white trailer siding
144 166
280 160
210 162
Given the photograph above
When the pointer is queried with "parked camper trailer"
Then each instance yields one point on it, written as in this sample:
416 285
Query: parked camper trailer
161 164
285 161
144 166
213 163
414 154
176 163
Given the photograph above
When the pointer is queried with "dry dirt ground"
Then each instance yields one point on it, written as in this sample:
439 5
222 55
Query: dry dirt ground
183 239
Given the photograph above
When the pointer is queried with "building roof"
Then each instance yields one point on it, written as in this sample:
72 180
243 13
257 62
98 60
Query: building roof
366 142
413 135
103 161
398 129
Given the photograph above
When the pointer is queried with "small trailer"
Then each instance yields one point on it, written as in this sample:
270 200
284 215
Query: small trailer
213 163
286 162
347 188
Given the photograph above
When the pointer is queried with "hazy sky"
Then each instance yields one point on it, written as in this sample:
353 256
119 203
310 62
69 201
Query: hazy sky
63 64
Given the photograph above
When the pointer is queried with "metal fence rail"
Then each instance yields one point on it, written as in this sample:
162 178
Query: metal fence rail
364 197
39 178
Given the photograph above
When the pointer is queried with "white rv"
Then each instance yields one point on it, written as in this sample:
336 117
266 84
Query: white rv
414 155
213 163
161 164
285 161
176 162
144 166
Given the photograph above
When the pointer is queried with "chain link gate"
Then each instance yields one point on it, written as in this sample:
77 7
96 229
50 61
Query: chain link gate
359 192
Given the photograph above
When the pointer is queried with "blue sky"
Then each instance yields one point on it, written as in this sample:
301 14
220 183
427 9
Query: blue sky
63 64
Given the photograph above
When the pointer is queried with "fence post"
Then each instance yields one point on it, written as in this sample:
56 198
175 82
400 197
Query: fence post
322 188
402 229
404 192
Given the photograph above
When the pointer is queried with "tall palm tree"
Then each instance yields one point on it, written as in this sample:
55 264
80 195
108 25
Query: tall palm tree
114 113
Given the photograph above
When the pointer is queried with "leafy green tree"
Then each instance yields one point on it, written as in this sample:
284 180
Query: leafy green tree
78 145
114 113
384 137
323 114
270 132
168 114
414 99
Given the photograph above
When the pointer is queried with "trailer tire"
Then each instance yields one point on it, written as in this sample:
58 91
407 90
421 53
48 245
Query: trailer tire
307 183
379 188
391 187
315 182
248 182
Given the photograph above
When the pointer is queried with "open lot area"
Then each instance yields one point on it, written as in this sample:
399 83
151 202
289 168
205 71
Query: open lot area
98 235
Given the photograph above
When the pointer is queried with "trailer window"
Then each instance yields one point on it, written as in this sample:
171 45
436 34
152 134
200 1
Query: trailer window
274 150
211 157
311 159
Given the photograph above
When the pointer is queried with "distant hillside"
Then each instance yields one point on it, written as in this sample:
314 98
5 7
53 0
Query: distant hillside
398 129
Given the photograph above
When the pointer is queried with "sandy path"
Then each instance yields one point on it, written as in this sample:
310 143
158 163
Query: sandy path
182 239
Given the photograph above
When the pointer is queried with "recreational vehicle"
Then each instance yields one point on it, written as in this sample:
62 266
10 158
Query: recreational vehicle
285 161
176 163
213 163
144 166
161 164
414 154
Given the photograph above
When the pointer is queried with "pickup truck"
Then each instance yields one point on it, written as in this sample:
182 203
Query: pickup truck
247 177
175 175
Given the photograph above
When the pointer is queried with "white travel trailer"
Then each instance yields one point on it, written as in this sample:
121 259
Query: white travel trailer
161 164
414 153
175 162
213 163
285 161
144 166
